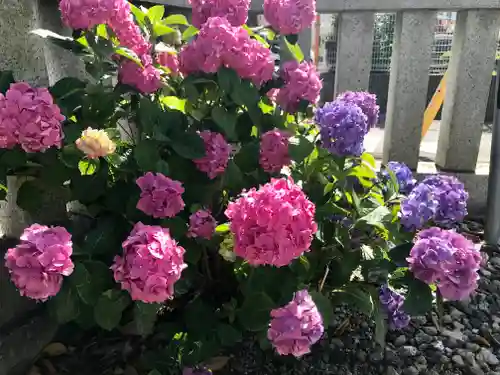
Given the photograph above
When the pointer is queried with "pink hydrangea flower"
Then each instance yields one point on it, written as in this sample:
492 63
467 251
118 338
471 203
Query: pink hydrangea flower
296 327
202 224
274 150
236 11
273 225
170 61
302 82
30 116
290 16
221 45
448 259
146 79
37 265
85 14
160 196
217 154
152 262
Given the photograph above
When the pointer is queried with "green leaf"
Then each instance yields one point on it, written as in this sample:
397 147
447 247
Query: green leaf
189 33
128 54
378 217
228 335
14 158
105 238
139 15
66 87
324 305
295 51
245 94
6 79
380 323
222 228
64 306
176 225
145 315
227 79
189 146
176 19
299 148
174 102
162 167
155 13
159 29
356 297
109 308
233 178
196 325
88 167
146 155
81 281
369 159
247 158
419 298
225 120
154 372
92 280
29 196
399 254
254 313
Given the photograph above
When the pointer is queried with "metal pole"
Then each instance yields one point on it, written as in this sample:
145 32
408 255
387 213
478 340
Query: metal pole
492 229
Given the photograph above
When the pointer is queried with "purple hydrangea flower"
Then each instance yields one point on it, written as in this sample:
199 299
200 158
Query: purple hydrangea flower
440 198
297 326
366 101
392 303
403 174
343 127
447 259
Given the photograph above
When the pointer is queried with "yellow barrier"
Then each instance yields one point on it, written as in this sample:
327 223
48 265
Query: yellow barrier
434 106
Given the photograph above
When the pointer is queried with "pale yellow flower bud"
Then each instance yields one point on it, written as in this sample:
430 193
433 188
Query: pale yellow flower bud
95 143
226 249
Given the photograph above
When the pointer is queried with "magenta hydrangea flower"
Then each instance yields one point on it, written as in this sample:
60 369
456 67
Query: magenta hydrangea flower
273 225
160 196
169 60
297 326
274 150
37 265
290 16
152 262
302 82
202 224
30 116
145 79
236 11
366 101
85 14
217 154
448 259
221 45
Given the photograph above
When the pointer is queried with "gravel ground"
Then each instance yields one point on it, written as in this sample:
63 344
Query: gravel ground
468 343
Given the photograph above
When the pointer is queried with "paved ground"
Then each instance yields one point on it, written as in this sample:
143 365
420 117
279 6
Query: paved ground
375 140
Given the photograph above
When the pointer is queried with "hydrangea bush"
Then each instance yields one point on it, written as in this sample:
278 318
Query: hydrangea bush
209 199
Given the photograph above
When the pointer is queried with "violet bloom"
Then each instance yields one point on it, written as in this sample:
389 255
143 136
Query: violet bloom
343 127
37 265
236 11
217 152
403 175
366 101
274 151
290 16
273 225
202 224
392 302
447 259
28 116
161 196
295 327
152 262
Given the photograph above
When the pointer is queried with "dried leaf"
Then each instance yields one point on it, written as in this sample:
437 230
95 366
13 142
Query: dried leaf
55 349
217 363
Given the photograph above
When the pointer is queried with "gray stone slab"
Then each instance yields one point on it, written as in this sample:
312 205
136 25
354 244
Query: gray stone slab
354 51
467 89
408 84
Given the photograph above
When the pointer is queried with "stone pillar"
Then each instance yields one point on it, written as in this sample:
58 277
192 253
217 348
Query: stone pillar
408 84
467 89
305 43
354 51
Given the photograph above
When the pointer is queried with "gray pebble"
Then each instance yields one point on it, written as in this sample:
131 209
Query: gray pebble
361 356
458 360
411 371
400 340
486 356
432 331
473 347
408 351
422 338
391 371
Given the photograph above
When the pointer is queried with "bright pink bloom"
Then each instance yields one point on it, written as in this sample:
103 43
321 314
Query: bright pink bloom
273 225
448 259
290 16
217 154
274 150
37 265
85 14
151 264
202 224
236 11
160 196
302 82
170 61
146 79
221 45
30 115
296 327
